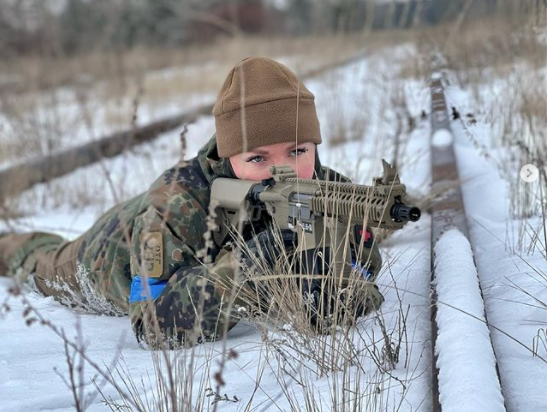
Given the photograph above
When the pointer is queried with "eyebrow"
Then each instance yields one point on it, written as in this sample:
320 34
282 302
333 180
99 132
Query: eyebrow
265 152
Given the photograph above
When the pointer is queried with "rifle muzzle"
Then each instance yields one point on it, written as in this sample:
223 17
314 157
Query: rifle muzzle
403 213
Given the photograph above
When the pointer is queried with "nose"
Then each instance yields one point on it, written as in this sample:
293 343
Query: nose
282 160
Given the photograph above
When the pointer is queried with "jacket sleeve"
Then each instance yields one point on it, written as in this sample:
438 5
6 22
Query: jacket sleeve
176 299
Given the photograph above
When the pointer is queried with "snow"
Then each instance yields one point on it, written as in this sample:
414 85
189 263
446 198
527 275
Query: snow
466 361
442 138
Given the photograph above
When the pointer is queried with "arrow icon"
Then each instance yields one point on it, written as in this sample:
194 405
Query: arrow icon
529 173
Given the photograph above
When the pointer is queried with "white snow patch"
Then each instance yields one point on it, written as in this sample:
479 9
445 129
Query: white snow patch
466 361
437 76
442 138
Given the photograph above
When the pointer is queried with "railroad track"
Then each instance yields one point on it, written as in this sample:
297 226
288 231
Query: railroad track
460 328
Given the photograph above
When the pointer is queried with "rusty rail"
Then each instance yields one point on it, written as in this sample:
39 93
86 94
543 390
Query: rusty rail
448 211
19 178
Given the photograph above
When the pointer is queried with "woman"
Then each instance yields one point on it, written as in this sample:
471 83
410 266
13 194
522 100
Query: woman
145 257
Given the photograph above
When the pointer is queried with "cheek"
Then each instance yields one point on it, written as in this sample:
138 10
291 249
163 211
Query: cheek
304 168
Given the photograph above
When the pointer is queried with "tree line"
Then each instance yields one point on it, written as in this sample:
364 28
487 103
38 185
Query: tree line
77 26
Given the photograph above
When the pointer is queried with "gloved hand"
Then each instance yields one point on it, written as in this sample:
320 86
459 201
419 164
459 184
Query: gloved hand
328 303
369 300
259 257
261 253
318 302
263 249
331 307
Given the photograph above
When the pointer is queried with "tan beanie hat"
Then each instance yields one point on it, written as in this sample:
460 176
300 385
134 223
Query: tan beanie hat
270 99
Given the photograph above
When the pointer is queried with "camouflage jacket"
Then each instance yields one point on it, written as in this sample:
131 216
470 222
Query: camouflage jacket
159 239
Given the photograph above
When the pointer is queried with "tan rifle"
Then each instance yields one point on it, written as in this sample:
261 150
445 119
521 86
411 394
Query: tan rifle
322 213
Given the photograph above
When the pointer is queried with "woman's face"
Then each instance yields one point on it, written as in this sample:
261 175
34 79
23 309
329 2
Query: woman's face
255 164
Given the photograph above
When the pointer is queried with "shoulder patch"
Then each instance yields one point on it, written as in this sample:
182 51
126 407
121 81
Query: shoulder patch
152 253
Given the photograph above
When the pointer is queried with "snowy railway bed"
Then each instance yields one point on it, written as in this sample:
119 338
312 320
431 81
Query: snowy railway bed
473 367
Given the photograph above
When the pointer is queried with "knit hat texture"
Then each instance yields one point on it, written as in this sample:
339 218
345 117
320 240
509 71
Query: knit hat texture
261 103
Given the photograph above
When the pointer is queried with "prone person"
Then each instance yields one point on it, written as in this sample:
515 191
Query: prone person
150 257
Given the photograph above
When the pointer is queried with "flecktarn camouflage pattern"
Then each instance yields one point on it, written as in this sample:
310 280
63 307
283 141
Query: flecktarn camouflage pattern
150 257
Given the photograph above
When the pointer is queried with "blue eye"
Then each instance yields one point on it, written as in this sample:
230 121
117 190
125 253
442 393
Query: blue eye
255 159
298 152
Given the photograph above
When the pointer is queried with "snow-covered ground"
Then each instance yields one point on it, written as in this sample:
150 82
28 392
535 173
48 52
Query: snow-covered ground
268 372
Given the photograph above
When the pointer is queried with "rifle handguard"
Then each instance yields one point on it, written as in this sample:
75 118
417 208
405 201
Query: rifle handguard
309 206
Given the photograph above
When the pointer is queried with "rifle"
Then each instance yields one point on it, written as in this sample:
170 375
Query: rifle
321 212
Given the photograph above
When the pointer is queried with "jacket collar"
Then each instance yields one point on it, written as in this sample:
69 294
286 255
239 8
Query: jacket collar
211 164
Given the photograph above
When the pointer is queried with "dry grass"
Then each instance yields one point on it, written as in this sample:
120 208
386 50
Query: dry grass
474 49
38 73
